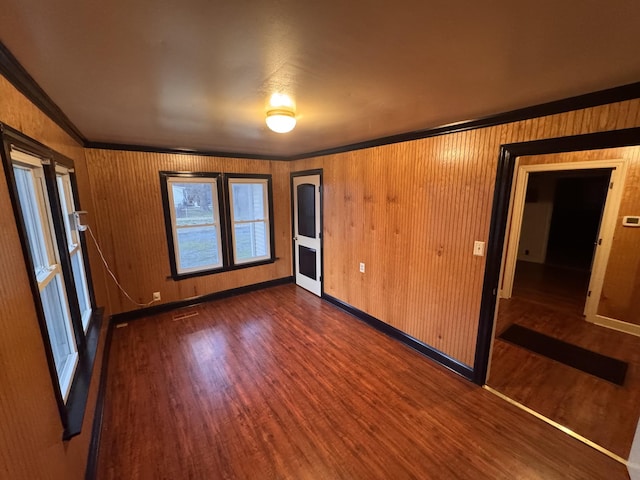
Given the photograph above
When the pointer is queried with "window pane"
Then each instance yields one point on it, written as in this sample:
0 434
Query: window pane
79 279
31 217
307 210
56 316
67 209
251 240
65 192
198 247
193 203
248 201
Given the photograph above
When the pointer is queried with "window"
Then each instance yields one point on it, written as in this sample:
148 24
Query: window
41 186
194 233
36 214
67 204
214 225
249 209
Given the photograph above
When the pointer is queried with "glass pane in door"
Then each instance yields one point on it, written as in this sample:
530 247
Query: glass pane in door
307 210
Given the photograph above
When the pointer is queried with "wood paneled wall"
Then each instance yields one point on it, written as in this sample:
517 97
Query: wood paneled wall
31 443
128 220
411 211
621 289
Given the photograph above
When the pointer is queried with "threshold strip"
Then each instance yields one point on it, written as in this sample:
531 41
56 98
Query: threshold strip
562 428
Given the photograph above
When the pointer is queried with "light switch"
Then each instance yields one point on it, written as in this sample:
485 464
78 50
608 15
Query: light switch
478 248
361 267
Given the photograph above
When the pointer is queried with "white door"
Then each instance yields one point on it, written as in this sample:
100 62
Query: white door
307 252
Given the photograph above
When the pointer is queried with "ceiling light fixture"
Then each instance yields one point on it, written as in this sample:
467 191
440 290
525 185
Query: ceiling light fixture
281 120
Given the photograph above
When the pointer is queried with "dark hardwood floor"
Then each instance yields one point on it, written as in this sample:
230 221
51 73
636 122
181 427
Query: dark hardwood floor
563 288
278 384
596 409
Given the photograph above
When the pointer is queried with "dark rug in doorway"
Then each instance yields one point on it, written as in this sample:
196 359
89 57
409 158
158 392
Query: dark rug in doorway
593 363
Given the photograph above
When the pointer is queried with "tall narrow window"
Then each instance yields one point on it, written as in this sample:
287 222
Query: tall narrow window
194 208
65 191
250 218
36 214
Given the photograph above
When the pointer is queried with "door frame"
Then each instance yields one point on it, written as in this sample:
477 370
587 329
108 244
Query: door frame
304 173
499 216
605 230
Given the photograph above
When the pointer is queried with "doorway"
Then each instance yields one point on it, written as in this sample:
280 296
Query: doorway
306 197
561 231
546 358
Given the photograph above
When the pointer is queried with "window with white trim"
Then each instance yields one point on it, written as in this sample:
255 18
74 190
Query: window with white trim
217 222
67 204
250 223
36 214
195 223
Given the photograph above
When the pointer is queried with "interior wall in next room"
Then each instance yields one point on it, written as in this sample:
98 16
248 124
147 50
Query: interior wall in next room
621 289
129 222
411 212
31 443
536 218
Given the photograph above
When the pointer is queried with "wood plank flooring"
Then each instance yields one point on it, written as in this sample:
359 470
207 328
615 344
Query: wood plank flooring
278 384
599 410
563 288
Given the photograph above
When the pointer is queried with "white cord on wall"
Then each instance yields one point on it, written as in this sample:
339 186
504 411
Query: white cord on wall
112 274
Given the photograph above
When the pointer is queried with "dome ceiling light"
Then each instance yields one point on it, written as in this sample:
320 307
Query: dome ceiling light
281 115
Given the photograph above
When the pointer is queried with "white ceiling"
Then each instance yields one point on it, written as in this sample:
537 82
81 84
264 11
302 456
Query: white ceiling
198 74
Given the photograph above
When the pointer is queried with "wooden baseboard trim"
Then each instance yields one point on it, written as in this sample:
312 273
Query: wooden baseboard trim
436 355
91 470
166 307
560 427
616 325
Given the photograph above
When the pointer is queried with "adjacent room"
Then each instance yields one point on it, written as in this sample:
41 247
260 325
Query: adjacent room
269 240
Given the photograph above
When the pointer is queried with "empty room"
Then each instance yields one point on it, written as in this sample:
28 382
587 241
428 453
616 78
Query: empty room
348 240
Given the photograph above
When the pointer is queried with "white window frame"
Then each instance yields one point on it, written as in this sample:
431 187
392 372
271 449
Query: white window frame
213 182
53 271
65 191
266 219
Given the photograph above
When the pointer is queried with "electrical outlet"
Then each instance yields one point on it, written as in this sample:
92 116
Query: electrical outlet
156 296
478 248
361 267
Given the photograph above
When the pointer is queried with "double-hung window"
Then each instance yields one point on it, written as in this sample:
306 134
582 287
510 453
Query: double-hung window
217 222
45 258
195 235
67 204
41 186
249 211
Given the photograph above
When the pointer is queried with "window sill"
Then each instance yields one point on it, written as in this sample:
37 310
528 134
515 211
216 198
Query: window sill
229 268
79 394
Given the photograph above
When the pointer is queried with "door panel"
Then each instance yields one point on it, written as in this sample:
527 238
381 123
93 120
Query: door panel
307 262
306 232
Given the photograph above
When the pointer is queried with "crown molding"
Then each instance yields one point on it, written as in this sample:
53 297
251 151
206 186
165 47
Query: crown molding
15 73
594 99
181 151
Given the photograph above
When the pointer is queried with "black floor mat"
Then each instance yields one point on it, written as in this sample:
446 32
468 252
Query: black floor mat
593 363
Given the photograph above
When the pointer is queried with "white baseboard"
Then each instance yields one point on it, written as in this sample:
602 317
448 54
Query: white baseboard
614 324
